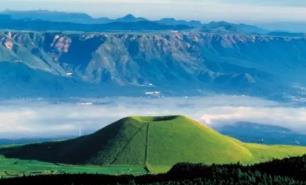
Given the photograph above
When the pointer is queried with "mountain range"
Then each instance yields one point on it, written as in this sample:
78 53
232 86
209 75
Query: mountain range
97 64
138 57
51 21
83 18
262 133
119 25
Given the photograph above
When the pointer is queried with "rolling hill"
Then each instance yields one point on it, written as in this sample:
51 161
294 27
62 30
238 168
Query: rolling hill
155 143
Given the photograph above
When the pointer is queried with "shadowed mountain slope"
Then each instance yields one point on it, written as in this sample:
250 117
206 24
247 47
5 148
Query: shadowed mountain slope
202 63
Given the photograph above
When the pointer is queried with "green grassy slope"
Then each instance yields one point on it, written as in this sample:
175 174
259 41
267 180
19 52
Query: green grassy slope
262 153
189 141
154 143
104 147
16 167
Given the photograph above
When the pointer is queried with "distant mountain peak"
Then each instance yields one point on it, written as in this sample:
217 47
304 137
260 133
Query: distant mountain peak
130 18
173 21
223 26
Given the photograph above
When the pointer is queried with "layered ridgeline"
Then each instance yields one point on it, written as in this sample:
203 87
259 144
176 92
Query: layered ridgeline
154 143
137 63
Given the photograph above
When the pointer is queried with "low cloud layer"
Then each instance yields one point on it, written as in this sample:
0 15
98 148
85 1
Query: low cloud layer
56 118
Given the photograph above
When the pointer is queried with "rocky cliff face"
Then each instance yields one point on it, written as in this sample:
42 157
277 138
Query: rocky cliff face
171 62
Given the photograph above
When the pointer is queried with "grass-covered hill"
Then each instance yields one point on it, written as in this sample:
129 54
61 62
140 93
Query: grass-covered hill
154 143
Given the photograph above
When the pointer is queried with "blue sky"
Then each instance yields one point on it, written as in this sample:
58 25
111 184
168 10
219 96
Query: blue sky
205 10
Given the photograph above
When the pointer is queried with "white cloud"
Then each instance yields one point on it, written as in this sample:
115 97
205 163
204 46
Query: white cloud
36 118
289 117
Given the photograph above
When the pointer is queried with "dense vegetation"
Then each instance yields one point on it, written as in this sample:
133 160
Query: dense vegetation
289 171
153 143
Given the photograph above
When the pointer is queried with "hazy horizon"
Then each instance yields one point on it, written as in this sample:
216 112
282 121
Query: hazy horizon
257 11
